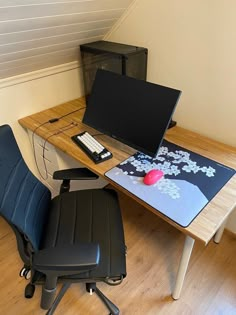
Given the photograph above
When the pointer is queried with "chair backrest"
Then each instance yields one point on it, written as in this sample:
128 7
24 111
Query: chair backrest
24 200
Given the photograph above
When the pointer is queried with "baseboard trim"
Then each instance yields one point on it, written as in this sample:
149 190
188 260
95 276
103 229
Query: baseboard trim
22 78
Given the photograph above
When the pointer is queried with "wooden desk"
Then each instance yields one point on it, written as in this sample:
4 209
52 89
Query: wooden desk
208 224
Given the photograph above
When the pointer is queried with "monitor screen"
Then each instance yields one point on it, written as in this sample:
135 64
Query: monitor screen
132 111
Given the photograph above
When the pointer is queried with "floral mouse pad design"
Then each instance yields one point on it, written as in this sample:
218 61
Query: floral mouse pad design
190 181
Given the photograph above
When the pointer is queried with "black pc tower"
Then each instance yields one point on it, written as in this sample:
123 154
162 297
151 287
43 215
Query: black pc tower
122 59
119 58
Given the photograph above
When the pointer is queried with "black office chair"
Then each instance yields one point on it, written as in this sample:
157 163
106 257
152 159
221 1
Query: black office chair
75 237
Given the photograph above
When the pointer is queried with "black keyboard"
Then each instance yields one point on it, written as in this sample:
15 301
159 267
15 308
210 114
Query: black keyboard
97 152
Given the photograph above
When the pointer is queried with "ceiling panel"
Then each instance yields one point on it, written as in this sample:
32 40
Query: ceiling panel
35 34
39 10
40 62
21 56
54 21
50 41
17 37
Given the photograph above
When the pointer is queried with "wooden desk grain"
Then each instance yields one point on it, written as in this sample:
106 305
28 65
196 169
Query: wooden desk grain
205 225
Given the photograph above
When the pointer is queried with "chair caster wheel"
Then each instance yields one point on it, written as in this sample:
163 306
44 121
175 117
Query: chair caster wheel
29 291
25 272
21 273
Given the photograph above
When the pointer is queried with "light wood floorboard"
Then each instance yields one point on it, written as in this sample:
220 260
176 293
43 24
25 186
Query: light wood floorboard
154 249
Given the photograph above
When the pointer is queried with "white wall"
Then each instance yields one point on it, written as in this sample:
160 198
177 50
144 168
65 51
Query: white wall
192 47
23 95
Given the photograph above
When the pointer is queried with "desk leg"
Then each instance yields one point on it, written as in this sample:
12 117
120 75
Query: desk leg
183 265
219 233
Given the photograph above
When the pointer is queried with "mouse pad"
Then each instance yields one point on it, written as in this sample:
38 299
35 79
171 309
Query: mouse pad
190 181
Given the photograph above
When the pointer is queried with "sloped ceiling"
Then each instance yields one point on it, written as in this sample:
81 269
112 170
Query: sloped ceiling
36 34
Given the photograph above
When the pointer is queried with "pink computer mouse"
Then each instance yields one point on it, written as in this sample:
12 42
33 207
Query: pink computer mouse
152 177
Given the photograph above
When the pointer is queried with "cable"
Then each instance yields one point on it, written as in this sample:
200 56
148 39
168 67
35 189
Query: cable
69 126
51 121
33 145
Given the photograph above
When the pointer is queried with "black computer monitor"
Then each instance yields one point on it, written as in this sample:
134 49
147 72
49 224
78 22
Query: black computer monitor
132 111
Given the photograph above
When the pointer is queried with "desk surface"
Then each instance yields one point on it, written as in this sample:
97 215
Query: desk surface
59 134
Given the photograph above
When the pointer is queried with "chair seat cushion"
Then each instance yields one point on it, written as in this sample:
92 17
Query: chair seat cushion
89 216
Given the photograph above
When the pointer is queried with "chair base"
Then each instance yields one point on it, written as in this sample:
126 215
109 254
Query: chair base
91 287
58 298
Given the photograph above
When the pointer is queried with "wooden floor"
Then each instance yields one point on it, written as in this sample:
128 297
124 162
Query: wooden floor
154 249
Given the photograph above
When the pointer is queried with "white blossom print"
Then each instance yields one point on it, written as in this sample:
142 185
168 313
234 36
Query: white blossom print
172 163
190 181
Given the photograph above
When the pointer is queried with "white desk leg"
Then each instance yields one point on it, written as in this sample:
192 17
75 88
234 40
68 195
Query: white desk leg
183 265
219 233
